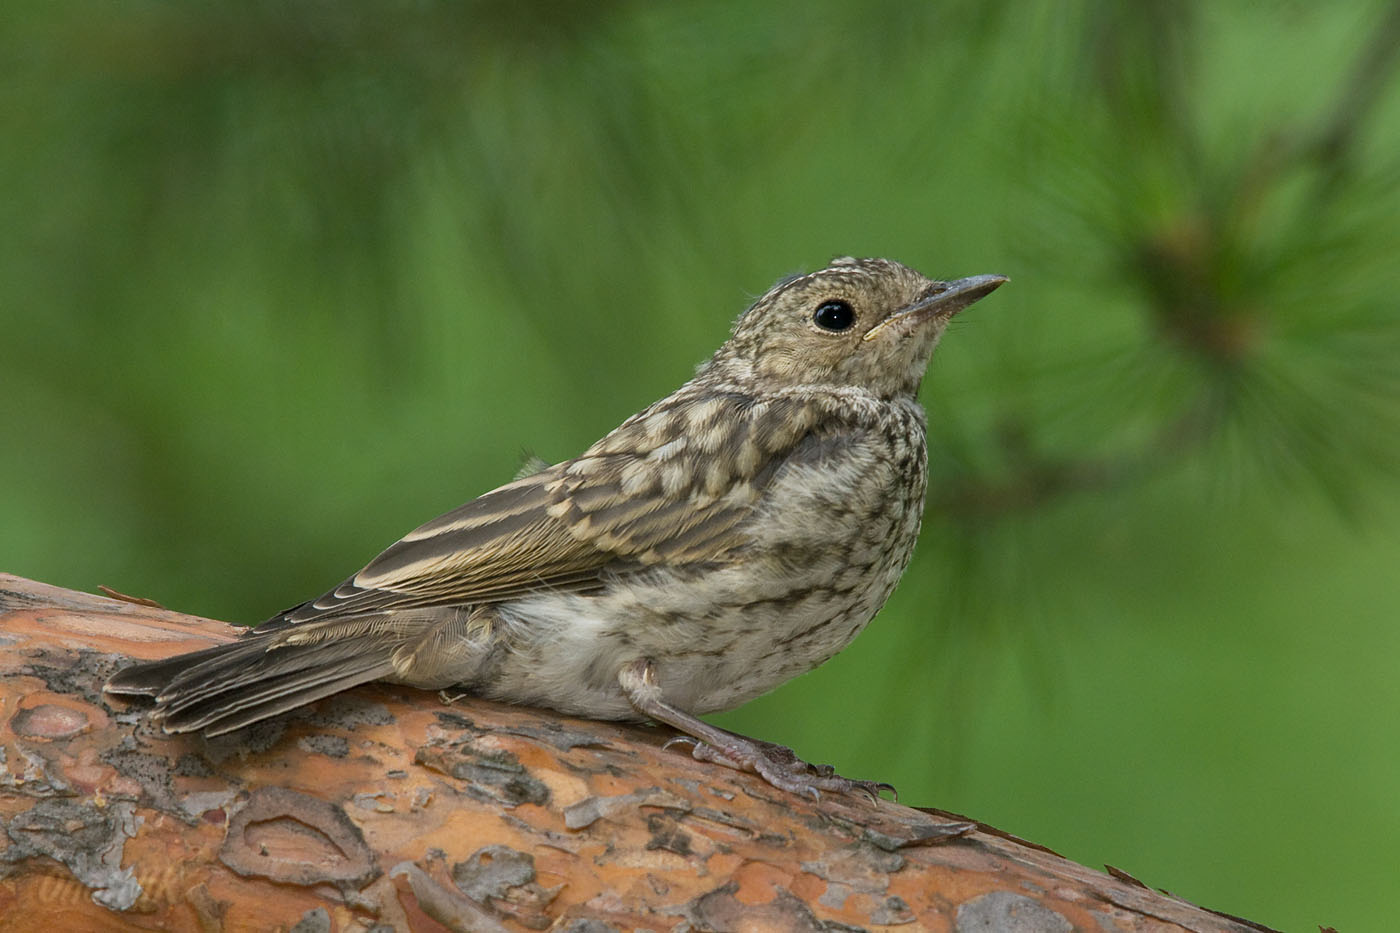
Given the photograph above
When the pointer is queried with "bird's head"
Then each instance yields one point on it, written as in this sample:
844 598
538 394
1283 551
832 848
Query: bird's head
869 323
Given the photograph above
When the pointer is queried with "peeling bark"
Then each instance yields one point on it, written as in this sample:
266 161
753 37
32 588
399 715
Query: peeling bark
386 809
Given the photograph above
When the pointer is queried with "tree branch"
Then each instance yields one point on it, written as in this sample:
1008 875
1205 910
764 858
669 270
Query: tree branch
387 807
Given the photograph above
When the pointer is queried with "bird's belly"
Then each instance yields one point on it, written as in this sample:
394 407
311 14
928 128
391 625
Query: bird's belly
717 637
814 574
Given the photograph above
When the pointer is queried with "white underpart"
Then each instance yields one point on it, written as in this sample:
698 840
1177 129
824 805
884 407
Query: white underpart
716 644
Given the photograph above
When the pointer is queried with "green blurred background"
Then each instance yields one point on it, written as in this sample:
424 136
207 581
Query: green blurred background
278 281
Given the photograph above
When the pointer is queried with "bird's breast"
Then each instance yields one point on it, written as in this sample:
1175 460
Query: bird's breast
826 543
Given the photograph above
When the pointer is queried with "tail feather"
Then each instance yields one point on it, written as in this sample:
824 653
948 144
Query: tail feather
149 678
258 660
244 704
224 688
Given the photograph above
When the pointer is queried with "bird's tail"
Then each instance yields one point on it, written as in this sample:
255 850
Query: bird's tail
230 686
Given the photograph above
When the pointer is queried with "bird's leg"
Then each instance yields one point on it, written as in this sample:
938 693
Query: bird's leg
776 764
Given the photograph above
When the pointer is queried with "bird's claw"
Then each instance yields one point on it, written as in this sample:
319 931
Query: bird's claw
780 766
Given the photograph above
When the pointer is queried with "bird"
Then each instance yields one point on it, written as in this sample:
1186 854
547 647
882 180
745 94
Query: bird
731 536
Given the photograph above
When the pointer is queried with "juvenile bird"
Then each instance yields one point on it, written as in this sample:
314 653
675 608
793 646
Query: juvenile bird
734 534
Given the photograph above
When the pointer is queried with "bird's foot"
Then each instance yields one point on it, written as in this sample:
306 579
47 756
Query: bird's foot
776 764
779 766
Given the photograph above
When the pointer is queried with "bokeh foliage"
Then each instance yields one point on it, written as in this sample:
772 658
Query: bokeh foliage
280 280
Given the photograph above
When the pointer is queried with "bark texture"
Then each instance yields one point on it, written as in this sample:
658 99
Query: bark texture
387 809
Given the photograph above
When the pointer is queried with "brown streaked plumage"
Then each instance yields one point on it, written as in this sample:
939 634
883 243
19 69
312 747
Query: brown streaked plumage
726 538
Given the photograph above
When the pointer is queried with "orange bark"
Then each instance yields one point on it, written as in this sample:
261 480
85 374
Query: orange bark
387 808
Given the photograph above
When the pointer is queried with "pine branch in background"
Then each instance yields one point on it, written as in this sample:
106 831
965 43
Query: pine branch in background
1232 318
1261 277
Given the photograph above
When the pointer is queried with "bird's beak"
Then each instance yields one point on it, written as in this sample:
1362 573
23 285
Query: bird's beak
944 299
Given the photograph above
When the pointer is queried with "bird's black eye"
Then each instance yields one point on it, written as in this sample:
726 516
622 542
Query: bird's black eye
834 316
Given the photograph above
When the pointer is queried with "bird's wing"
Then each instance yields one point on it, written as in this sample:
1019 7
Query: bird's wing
673 484
500 545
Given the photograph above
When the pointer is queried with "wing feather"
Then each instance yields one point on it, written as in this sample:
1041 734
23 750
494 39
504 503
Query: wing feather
666 486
